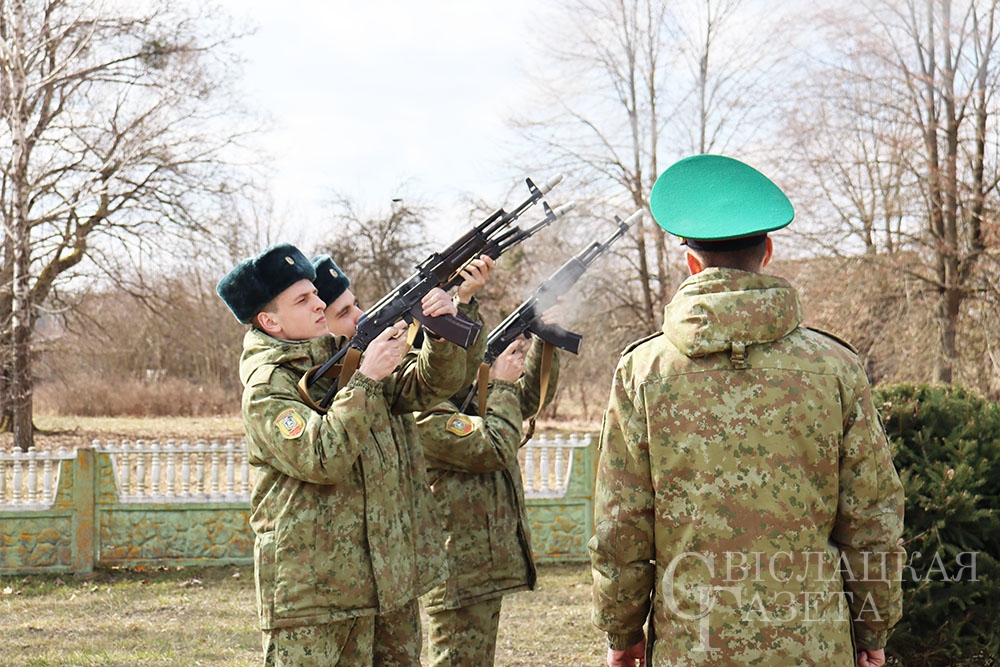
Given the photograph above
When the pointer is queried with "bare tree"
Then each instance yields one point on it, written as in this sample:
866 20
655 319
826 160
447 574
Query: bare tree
120 125
632 81
848 165
599 116
378 250
915 142
625 87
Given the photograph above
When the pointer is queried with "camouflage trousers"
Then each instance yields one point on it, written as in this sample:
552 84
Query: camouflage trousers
397 637
347 643
465 636
388 640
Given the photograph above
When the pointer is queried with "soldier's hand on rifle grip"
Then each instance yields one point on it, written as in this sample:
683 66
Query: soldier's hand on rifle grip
437 303
510 364
474 276
385 353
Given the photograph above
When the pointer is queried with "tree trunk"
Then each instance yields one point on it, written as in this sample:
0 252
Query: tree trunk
19 232
22 321
948 310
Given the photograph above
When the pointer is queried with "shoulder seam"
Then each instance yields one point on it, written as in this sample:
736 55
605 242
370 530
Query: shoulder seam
261 375
636 343
834 337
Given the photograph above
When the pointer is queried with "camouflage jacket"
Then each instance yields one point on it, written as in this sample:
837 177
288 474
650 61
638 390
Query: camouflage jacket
341 507
476 481
742 464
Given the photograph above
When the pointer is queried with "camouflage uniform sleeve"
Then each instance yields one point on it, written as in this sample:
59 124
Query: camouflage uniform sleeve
427 376
530 384
475 353
284 433
869 521
453 441
622 547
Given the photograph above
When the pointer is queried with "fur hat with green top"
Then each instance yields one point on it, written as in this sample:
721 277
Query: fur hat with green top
717 203
254 282
330 281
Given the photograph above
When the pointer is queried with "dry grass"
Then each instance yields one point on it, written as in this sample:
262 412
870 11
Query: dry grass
92 396
56 431
118 618
205 616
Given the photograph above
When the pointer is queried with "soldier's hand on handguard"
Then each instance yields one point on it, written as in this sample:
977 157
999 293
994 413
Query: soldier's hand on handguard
385 353
437 303
553 314
474 276
630 657
510 364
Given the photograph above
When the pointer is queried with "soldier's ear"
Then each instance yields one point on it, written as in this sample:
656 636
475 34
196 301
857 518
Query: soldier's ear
768 252
268 323
694 264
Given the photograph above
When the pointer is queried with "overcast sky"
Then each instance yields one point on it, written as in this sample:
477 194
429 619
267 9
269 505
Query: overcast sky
367 96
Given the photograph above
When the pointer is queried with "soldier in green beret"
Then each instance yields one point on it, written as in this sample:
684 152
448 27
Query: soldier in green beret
746 504
342 548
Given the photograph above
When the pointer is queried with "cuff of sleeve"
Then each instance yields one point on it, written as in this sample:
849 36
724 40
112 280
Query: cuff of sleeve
867 638
618 642
372 388
470 310
503 385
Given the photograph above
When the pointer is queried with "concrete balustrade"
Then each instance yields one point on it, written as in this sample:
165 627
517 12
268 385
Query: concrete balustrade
150 503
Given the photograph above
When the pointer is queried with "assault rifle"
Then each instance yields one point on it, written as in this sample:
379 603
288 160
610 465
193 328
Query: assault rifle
492 237
527 317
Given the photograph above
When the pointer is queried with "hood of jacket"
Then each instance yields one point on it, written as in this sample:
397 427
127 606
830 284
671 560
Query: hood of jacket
301 355
717 307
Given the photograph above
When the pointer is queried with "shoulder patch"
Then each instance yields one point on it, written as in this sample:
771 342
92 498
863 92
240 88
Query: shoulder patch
460 425
262 375
636 343
290 423
834 337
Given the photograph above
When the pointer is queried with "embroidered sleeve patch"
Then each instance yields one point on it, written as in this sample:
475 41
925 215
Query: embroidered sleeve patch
460 425
290 423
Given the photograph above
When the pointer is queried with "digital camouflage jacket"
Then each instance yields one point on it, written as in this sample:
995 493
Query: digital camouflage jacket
340 506
476 481
742 465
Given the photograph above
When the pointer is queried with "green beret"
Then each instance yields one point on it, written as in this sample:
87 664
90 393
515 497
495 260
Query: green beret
715 198
330 281
254 282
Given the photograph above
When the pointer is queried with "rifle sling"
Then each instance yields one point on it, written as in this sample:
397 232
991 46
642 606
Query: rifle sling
303 386
547 351
351 361
483 381
412 332
342 372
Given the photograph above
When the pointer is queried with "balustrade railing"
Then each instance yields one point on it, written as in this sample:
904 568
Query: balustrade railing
149 471
30 479
179 471
186 502
546 464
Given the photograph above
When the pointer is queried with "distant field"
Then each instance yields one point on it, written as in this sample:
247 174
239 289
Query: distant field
205 616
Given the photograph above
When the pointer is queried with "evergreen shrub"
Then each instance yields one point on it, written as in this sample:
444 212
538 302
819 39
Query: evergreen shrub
946 446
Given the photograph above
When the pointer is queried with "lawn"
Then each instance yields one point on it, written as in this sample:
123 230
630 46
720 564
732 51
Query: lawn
205 616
